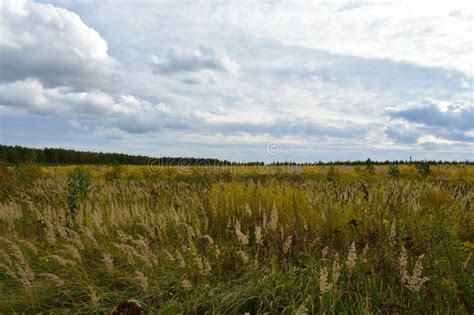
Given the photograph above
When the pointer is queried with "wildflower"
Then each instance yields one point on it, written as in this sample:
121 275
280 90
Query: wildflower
243 256
243 239
324 285
402 263
415 282
351 257
287 244
324 252
302 309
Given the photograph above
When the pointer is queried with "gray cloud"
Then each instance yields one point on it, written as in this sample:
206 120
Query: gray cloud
429 112
201 59
452 121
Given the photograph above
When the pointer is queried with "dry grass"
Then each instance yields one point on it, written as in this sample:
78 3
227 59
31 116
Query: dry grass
226 241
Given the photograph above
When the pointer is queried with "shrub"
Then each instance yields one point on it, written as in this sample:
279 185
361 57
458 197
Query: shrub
332 174
423 169
369 167
394 171
79 186
27 173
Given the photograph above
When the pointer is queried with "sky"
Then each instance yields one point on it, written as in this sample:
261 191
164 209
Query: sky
243 81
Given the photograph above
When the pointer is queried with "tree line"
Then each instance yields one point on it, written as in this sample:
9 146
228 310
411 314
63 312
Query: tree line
58 156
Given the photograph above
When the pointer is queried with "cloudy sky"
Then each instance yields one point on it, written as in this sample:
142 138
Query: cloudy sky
256 80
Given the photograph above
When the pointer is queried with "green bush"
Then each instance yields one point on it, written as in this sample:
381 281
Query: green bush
79 186
393 170
423 169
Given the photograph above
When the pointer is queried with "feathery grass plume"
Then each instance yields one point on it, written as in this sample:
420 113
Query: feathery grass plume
305 225
129 252
287 244
258 235
393 232
198 261
146 255
148 230
351 257
415 282
93 295
72 252
180 258
264 218
302 309
217 251
61 261
324 285
336 268
243 256
169 255
5 257
50 234
208 238
241 237
248 210
75 238
466 262
186 285
108 261
142 280
402 264
273 224
32 247
23 268
9 271
89 235
207 266
52 278
363 257
124 237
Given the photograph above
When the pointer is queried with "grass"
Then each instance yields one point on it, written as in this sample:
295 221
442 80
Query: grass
289 240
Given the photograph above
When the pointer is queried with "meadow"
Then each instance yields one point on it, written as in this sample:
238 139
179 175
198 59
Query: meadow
237 240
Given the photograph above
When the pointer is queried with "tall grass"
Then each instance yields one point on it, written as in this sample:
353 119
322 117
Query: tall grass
275 240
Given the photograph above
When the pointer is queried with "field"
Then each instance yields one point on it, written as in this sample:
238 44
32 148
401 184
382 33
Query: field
235 240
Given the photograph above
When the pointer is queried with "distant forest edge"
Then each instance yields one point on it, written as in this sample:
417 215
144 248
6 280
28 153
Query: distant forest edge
58 156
